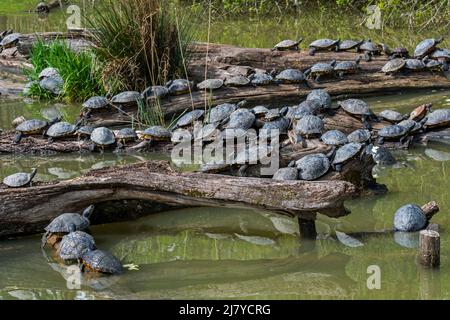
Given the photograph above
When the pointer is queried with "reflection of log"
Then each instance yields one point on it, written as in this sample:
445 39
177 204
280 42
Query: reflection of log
28 209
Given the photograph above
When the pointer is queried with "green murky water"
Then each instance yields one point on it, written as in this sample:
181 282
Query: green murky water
230 253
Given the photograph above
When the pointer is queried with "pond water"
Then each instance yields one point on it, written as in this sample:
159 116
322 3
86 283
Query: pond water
229 253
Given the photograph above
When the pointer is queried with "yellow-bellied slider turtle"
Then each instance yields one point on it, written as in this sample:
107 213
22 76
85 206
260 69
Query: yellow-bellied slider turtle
60 130
392 132
220 113
20 179
260 111
442 56
125 135
9 41
410 125
347 45
280 124
94 103
347 67
394 66
75 244
241 119
102 137
48 73
359 136
285 174
64 223
344 154
237 81
321 69
438 118
179 86
291 76
308 126
208 132
189 118
312 166
154 92
410 218
260 79
29 127
54 84
426 47
84 131
369 49
334 138
322 97
323 45
210 84
287 45
358 109
399 52
157 133
414 65
127 98
391 116
100 261
420 112
434 65
381 155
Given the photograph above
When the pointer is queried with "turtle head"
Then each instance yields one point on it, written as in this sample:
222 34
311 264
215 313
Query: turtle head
333 63
72 227
242 104
33 172
439 40
88 211
299 40
358 59
55 120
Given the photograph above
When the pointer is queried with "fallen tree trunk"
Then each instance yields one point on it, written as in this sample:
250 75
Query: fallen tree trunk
27 210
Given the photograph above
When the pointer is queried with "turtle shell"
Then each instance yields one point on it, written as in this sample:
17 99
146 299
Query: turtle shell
237 81
359 136
393 65
300 111
209 132
414 64
32 126
355 107
419 112
96 102
284 174
410 218
241 119
126 98
101 261
346 66
287 44
309 125
85 130
75 244
323 43
157 132
291 76
10 40
349 44
425 47
410 125
334 138
260 111
322 68
261 79
382 156
221 112
393 131
180 86
155 92
210 84
440 54
103 136
60 129
369 46
312 166
52 84
280 124
48 72
438 118
390 115
63 223
272 114
322 97
190 117
126 134
19 179
347 152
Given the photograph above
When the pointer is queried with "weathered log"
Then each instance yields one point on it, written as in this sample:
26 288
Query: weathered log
430 246
27 210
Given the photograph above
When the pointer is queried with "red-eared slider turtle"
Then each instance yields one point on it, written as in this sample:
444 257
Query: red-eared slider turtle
9 41
320 69
157 133
312 166
344 154
260 79
220 113
127 98
392 132
285 174
410 218
434 65
301 110
358 109
189 118
64 223
241 119
410 125
75 244
391 116
334 138
438 118
322 97
291 76
426 47
394 66
323 45
102 137
281 124
237 81
125 135
154 92
19 180
210 84
348 45
54 84
260 111
442 56
287 45
347 67
100 261
414 65
420 112
399 52
381 155
48 73
272 114
60 130
308 126
369 49
30 127
179 86
359 136
94 103
84 132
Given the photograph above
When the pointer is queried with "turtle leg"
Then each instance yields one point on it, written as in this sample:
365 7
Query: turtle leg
312 51
317 79
367 57
366 123
338 167
50 140
380 140
445 66
92 147
331 153
17 137
44 239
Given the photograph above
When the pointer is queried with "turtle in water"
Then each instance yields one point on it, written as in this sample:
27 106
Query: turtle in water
63 224
312 166
369 49
392 132
9 41
437 119
323 45
241 119
410 218
285 174
287 45
420 112
125 135
347 45
127 98
291 76
157 133
347 67
20 179
357 108
394 66
100 261
391 116
319 70
154 92
210 84
308 126
102 137
220 113
381 155
84 132
75 244
426 47
54 84
61 130
237 81
344 154
360 136
179 86
334 138
30 127
189 118
260 79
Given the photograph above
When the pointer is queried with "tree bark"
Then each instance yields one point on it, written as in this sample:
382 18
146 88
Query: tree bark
430 246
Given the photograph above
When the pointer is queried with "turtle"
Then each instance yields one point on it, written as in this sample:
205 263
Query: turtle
17 121
281 124
312 166
285 174
391 116
102 137
42 8
48 73
241 119
84 131
410 218
210 84
410 125
20 179
287 45
157 133
124 135
60 130
126 98
154 92
308 126
9 41
426 47
54 84
359 136
420 112
415 65
29 127
381 155
291 76
75 244
334 138
321 69
392 132
435 65
189 118
250 154
347 45
63 224
208 132
394 66
357 108
258 79
237 81
272 114
347 67
298 112
442 56
398 52
100 261
260 111
323 45
436 119
344 154
369 49
94 103
221 113
179 86
322 97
